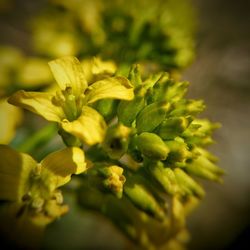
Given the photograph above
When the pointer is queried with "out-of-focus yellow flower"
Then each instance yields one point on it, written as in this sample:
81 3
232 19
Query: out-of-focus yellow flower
11 59
30 189
49 41
10 118
69 106
34 73
34 185
18 71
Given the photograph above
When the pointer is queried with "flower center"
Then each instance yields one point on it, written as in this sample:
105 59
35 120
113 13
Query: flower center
71 104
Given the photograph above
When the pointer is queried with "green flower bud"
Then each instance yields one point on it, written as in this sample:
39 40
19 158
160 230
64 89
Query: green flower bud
157 93
135 75
106 108
178 150
151 116
164 176
128 110
176 91
204 168
139 193
187 184
178 212
116 141
68 139
152 146
199 132
167 89
188 107
172 127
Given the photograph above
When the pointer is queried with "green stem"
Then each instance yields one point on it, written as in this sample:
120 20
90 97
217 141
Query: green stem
40 137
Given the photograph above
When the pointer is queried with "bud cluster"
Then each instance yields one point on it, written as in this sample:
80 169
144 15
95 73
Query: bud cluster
157 142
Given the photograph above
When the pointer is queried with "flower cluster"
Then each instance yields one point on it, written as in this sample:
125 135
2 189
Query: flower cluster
133 142
143 144
159 142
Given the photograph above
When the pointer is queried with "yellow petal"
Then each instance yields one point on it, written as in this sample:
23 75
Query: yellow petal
10 118
96 69
90 127
39 103
68 72
111 87
62 164
15 169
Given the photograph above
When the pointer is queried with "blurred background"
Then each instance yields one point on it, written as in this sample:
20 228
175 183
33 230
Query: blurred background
220 74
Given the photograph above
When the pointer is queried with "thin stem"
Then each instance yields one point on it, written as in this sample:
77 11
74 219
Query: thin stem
40 137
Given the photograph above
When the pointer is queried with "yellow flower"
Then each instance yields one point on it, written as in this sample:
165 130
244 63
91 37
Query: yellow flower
70 106
11 59
95 69
10 117
32 187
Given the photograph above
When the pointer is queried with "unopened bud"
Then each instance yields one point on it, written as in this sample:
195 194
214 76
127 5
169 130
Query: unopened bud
164 176
178 150
152 146
188 107
151 116
128 110
107 108
187 184
135 75
204 168
140 195
172 127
